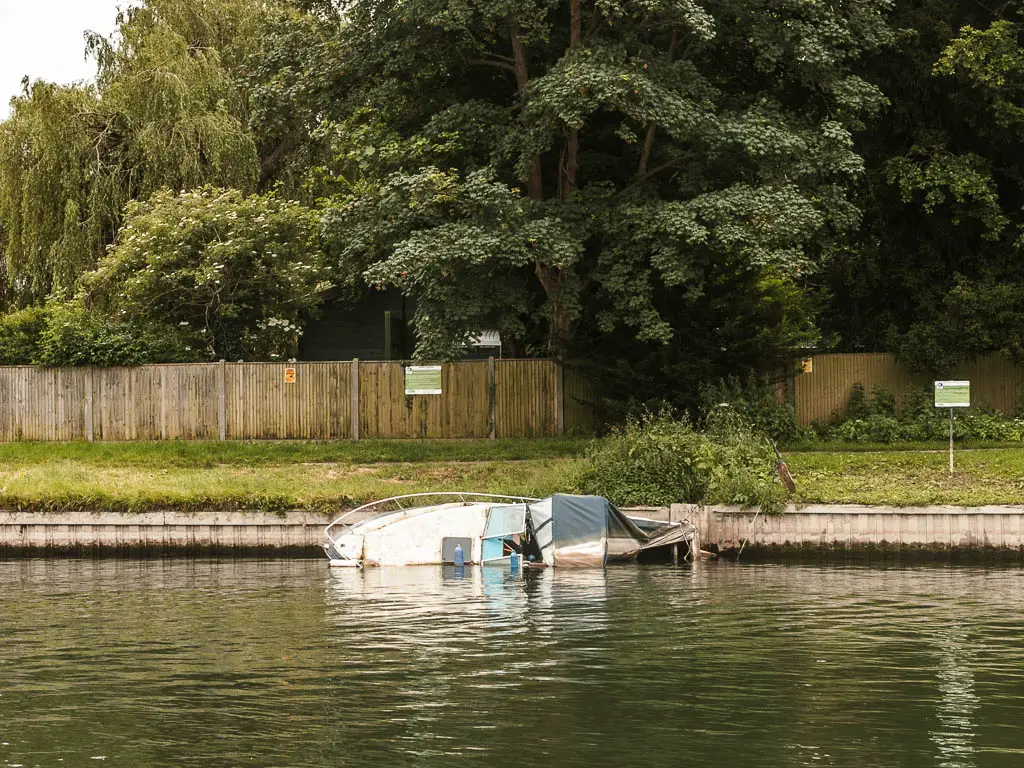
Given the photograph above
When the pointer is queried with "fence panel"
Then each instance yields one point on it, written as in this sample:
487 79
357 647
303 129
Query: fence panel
260 404
580 403
467 401
191 402
525 392
462 410
823 394
254 401
995 381
41 403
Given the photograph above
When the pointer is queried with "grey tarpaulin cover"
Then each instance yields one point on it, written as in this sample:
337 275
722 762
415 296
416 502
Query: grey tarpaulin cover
588 530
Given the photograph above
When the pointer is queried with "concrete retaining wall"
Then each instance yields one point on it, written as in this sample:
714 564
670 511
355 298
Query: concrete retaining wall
809 529
822 527
297 532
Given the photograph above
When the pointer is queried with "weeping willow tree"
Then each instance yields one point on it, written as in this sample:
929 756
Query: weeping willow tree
56 211
166 111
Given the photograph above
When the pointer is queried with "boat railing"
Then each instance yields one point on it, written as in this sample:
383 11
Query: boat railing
460 495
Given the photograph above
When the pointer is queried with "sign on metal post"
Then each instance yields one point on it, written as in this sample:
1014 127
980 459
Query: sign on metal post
423 380
952 394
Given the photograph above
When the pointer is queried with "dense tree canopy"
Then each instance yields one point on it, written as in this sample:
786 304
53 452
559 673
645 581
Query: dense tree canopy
666 191
935 272
546 165
166 110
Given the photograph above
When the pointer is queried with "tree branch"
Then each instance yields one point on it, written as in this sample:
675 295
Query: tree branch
498 64
268 165
572 144
534 182
645 153
595 24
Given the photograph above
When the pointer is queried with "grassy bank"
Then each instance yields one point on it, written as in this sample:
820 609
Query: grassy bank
206 454
331 476
273 475
908 478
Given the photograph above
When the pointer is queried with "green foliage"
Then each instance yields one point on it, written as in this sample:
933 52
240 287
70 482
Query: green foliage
757 403
934 273
166 111
978 316
990 60
228 276
20 335
552 167
662 460
860 406
875 420
74 335
56 213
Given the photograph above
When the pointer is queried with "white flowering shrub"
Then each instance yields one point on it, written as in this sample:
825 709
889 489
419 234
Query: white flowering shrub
210 273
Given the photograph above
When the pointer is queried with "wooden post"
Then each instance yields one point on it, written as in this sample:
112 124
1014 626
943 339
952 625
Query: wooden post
492 399
163 402
88 404
355 398
130 405
559 399
222 411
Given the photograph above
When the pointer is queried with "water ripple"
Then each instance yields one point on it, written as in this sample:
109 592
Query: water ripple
285 663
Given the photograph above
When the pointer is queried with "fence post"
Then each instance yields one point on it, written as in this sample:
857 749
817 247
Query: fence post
355 398
88 404
222 411
491 399
163 403
559 399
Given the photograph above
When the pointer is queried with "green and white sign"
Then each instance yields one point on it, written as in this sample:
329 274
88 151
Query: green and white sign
952 394
423 379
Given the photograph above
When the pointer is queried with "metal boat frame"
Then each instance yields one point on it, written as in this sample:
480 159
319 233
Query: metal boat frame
460 495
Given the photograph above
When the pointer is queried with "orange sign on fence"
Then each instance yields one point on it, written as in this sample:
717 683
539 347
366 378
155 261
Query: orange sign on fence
289 375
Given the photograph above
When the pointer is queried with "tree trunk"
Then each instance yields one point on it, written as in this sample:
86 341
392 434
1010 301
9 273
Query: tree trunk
645 153
572 144
534 184
549 277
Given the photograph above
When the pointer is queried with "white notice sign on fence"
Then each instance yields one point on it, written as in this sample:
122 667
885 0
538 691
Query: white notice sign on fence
423 380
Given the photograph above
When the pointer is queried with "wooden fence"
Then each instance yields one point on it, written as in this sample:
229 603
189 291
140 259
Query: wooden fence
823 394
326 401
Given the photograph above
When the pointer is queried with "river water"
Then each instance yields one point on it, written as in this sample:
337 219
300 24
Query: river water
285 663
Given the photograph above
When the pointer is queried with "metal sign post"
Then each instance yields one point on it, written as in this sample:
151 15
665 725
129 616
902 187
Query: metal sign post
952 394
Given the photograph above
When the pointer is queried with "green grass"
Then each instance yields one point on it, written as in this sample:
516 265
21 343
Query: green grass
331 476
206 454
907 478
819 446
324 476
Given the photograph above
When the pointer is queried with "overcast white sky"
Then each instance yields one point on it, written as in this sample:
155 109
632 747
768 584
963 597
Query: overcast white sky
43 39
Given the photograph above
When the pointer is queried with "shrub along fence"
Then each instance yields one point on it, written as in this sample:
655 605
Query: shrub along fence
823 394
325 401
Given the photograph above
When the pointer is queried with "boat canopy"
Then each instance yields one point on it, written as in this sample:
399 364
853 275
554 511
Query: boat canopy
586 530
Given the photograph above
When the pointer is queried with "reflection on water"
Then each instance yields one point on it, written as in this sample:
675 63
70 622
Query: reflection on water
958 702
288 663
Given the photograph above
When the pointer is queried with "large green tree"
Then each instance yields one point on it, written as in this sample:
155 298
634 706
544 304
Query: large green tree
169 109
207 274
601 171
935 271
